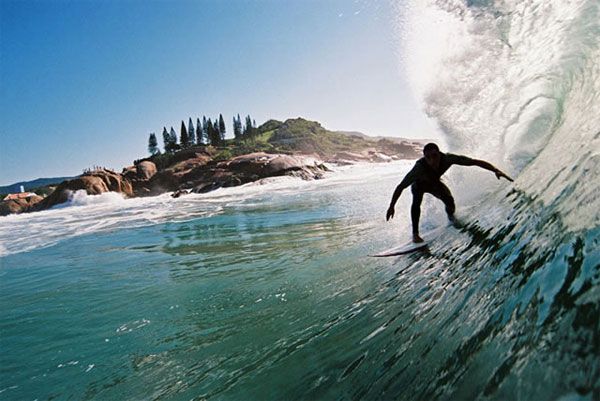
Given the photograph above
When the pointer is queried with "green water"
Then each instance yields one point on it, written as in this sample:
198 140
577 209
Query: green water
272 296
197 308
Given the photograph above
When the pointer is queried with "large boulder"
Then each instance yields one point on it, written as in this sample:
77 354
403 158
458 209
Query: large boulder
183 174
186 167
130 173
161 182
94 183
145 170
252 167
253 163
268 165
18 205
114 182
139 176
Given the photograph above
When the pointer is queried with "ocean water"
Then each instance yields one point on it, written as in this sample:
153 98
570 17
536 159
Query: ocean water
266 292
218 295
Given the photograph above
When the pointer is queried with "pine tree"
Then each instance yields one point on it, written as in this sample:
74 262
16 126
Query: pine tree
153 144
237 128
184 138
209 132
199 133
205 130
249 132
173 140
218 134
166 140
222 127
191 132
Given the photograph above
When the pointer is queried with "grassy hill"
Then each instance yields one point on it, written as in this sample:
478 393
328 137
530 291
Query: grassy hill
295 136
303 136
300 135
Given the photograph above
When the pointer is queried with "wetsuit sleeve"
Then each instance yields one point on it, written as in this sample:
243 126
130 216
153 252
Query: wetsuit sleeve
460 160
410 177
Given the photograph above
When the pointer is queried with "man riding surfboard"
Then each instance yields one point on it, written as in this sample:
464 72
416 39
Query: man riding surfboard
425 178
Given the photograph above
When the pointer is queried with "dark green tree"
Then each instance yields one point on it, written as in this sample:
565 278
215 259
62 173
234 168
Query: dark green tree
216 136
199 136
199 133
248 129
191 132
173 140
205 130
184 139
166 140
222 127
209 132
217 131
153 144
237 128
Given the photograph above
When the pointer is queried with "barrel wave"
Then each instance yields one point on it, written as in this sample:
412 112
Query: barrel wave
266 292
518 82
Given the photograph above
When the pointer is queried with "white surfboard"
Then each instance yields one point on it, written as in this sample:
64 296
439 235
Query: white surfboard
402 249
410 246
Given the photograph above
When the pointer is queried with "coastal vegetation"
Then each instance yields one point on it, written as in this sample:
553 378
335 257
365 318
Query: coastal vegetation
201 159
205 132
290 137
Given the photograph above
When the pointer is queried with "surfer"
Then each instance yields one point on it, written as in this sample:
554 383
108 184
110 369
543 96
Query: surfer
425 178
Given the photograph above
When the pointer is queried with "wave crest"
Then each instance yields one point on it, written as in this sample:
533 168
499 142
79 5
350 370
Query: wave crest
496 76
81 198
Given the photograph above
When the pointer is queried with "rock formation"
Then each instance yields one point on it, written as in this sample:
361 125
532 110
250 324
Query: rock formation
252 167
205 168
18 205
94 183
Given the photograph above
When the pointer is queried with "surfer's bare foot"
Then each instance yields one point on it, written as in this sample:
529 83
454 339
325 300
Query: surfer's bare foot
417 239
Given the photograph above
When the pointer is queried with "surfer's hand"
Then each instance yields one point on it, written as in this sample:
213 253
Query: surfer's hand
500 174
389 214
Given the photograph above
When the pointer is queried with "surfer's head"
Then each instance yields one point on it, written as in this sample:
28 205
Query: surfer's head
432 155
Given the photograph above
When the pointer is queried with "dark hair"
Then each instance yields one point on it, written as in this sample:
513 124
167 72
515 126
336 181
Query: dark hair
430 146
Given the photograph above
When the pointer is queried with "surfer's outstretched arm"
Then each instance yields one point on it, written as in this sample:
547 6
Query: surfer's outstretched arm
391 211
488 166
406 182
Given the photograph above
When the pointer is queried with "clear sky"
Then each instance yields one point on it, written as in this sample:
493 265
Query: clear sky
83 83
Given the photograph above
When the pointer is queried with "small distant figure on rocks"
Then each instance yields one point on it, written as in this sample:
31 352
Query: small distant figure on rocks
425 178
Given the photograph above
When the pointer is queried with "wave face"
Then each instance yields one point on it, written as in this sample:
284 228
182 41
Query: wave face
516 83
265 292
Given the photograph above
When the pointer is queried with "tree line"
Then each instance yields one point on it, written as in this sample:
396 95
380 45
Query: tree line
205 132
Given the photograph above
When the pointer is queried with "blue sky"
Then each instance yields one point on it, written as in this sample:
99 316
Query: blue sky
83 83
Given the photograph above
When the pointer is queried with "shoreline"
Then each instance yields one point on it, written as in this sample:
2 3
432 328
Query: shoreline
295 147
196 173
110 212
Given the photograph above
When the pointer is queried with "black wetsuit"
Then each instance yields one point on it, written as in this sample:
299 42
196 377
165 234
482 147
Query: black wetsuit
425 179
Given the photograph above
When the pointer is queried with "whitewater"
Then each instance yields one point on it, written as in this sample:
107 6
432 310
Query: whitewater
266 291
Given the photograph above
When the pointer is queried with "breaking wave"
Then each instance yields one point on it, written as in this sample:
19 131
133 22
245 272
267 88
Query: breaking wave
517 83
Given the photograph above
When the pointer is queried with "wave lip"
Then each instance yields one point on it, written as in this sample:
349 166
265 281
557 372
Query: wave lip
497 77
516 83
